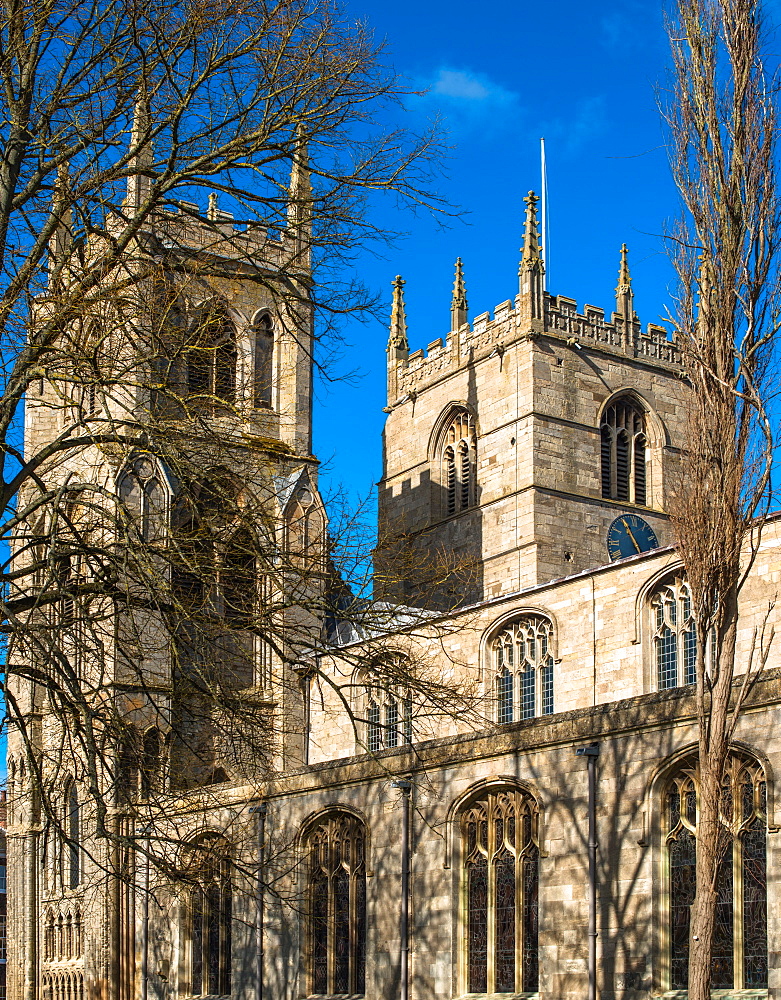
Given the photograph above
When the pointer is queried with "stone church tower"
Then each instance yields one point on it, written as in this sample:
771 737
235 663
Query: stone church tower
71 909
496 435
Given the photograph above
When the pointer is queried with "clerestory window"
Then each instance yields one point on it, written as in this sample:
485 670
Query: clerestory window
523 663
500 864
624 449
674 635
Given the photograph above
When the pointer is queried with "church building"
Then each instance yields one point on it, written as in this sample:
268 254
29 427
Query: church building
398 849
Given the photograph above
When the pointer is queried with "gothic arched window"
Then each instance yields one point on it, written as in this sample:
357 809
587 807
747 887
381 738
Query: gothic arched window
211 917
674 635
500 858
336 849
264 362
624 452
459 463
740 959
523 664
304 531
212 357
142 492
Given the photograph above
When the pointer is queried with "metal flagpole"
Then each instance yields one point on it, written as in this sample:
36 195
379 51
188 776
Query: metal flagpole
544 209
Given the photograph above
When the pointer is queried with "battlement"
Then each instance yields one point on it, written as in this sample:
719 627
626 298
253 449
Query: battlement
561 320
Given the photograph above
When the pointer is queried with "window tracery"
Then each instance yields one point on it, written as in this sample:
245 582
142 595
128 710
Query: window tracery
305 530
523 663
624 451
336 850
674 634
500 863
459 463
142 492
740 959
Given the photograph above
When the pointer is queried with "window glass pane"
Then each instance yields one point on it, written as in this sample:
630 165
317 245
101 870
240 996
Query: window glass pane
505 697
667 659
341 888
197 943
360 932
723 958
547 689
320 933
682 885
531 885
689 656
392 723
527 694
477 893
755 906
504 877
374 735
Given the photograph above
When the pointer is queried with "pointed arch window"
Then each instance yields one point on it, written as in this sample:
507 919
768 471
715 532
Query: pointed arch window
624 452
211 918
740 956
459 464
523 663
500 866
142 492
264 362
304 531
212 357
674 635
336 849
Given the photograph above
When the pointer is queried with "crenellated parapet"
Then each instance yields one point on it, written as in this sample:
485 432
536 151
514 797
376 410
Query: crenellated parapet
532 315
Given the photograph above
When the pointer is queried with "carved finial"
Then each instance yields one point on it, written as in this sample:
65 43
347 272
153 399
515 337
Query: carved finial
139 181
458 303
300 192
60 243
531 259
211 211
624 293
398 345
532 270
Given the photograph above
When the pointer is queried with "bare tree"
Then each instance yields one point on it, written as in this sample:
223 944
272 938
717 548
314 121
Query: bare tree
723 126
173 583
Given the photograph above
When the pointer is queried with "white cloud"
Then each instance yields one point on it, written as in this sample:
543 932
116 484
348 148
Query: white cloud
464 97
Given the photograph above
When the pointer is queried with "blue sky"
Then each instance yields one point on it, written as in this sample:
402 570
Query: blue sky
501 75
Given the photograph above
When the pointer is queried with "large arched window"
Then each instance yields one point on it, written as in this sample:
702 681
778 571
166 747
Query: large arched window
624 452
459 463
674 635
500 855
305 531
211 916
523 663
740 958
336 850
264 362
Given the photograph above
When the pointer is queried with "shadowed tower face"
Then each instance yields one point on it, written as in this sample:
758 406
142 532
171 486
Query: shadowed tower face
514 443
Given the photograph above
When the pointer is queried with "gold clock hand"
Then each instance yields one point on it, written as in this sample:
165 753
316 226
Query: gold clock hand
629 532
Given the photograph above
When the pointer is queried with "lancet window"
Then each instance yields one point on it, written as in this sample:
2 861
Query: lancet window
740 959
624 453
73 836
523 663
674 635
500 851
459 464
142 492
337 905
212 357
211 917
264 362
304 531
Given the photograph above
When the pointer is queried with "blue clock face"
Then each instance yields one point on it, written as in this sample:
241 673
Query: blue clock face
628 535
